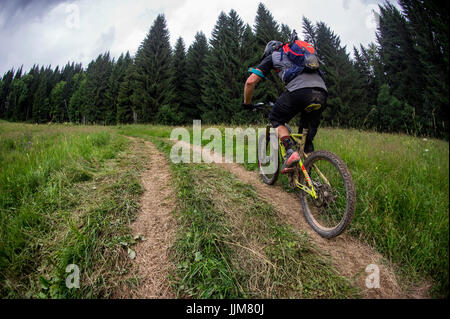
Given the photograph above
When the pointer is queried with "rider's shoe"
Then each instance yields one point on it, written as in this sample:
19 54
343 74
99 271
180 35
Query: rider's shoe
292 158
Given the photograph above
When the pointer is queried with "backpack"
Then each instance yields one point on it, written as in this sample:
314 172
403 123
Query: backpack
303 58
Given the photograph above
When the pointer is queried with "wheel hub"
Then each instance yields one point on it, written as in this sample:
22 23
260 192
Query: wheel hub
324 193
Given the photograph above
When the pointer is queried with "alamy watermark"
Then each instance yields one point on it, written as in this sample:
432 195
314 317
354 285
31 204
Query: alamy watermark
73 16
373 279
73 279
240 146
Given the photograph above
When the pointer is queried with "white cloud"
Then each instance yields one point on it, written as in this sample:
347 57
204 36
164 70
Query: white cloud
119 25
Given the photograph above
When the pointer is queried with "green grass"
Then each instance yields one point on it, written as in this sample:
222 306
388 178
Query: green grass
232 245
67 195
402 186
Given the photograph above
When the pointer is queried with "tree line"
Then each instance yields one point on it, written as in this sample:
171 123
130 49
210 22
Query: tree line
398 84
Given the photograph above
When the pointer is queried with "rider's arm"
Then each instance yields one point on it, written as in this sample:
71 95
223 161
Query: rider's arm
249 87
257 74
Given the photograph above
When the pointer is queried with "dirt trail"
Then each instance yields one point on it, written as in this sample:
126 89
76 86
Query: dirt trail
157 224
348 255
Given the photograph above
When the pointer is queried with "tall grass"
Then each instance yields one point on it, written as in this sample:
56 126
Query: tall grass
402 187
54 210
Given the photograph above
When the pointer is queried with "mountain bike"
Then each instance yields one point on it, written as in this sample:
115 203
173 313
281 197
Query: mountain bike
321 179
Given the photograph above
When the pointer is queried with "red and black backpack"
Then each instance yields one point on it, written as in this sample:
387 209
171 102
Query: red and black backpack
303 57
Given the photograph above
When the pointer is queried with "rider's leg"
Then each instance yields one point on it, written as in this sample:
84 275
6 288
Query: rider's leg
282 131
312 119
282 112
285 137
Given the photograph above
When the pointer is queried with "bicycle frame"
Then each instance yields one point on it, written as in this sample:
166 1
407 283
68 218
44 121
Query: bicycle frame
282 151
309 189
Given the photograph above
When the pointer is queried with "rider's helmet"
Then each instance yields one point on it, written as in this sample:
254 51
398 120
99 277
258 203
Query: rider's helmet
271 46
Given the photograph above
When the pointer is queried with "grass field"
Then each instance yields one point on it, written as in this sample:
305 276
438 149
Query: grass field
66 197
402 185
68 193
403 198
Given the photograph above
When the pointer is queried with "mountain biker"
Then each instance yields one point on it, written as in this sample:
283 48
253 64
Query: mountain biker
302 91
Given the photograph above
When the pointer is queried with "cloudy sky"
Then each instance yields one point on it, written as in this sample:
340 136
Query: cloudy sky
54 31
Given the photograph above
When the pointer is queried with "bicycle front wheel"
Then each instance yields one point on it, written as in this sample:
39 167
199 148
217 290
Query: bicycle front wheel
268 164
332 211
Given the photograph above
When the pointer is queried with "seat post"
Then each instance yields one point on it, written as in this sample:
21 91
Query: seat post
303 142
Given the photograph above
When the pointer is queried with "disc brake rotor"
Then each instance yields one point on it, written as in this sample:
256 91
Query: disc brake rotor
324 193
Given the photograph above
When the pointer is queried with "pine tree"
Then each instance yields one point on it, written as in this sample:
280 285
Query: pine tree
391 114
215 91
195 70
59 108
153 73
344 105
125 108
32 88
19 72
224 76
78 101
309 31
2 89
117 77
399 84
5 90
126 112
285 33
267 29
399 57
68 75
39 112
18 95
429 21
97 86
41 103
371 77
175 113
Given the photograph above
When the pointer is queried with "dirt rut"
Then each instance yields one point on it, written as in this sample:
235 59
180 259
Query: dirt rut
157 224
349 256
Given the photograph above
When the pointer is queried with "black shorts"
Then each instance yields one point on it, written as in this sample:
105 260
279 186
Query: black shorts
289 104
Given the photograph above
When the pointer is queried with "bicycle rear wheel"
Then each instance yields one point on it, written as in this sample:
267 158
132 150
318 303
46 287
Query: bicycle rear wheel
331 213
268 164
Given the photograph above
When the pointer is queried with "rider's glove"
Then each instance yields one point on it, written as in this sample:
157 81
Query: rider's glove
248 107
